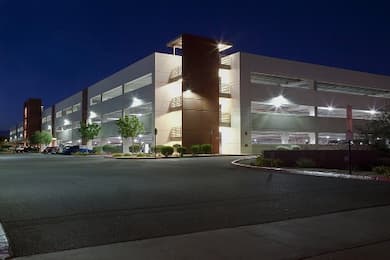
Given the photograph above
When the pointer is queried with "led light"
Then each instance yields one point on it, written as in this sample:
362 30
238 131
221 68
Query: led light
372 111
92 115
278 101
136 102
330 108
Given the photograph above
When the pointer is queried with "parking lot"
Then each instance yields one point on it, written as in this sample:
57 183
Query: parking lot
53 202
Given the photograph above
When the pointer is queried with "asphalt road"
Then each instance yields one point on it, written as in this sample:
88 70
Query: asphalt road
50 203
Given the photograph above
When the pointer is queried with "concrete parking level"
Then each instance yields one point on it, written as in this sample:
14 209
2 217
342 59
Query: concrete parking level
52 203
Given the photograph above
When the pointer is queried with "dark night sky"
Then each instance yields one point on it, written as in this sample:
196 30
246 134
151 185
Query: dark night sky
52 49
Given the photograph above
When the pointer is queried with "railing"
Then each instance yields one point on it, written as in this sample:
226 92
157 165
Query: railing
175 133
226 62
175 74
225 90
176 103
225 119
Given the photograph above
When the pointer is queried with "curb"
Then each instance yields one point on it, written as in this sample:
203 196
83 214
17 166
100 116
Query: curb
313 173
4 245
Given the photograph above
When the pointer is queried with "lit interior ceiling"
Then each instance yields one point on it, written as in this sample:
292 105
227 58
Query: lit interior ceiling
178 43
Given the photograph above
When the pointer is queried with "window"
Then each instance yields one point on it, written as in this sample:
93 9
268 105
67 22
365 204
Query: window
113 116
354 90
44 120
331 138
285 109
275 137
281 81
68 110
95 100
49 118
138 83
112 93
76 107
331 112
59 114
365 114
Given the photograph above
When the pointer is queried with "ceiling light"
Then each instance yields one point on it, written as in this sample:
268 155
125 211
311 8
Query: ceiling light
278 101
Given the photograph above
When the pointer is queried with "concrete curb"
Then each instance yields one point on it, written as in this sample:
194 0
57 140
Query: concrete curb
312 173
4 246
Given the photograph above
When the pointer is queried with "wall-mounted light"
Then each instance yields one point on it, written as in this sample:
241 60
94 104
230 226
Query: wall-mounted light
373 111
278 101
66 122
136 102
330 108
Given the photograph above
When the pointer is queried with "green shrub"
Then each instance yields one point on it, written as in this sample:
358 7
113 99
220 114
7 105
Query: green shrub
195 149
97 149
282 148
112 148
141 155
167 150
382 170
205 148
306 163
265 162
158 148
117 155
127 154
136 147
182 150
295 147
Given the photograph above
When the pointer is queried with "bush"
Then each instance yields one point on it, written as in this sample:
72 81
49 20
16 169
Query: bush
282 148
127 154
157 148
115 155
195 149
205 148
265 162
80 153
382 170
97 149
182 150
295 147
167 150
306 163
112 148
137 148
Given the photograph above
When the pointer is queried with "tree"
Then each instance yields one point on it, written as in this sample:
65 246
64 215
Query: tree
39 138
129 127
89 132
377 131
46 137
35 138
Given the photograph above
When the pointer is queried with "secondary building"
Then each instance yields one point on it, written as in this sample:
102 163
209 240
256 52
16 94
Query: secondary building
238 102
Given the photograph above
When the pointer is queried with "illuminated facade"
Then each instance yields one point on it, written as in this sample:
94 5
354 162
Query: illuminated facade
238 102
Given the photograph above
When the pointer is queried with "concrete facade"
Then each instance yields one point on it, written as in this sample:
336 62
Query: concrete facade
262 101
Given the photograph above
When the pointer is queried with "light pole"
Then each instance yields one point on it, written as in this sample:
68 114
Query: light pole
155 143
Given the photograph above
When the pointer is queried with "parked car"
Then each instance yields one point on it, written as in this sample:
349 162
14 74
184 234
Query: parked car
51 150
19 149
68 150
31 149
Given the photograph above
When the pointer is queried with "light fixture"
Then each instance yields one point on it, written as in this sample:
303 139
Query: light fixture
372 111
66 122
136 102
330 108
278 101
92 115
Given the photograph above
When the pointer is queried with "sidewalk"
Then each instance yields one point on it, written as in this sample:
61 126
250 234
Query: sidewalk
357 234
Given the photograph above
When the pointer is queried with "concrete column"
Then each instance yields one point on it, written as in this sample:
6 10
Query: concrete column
284 138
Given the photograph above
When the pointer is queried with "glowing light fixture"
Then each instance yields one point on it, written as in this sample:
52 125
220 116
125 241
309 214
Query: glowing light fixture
372 111
330 108
66 122
278 101
136 102
92 115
